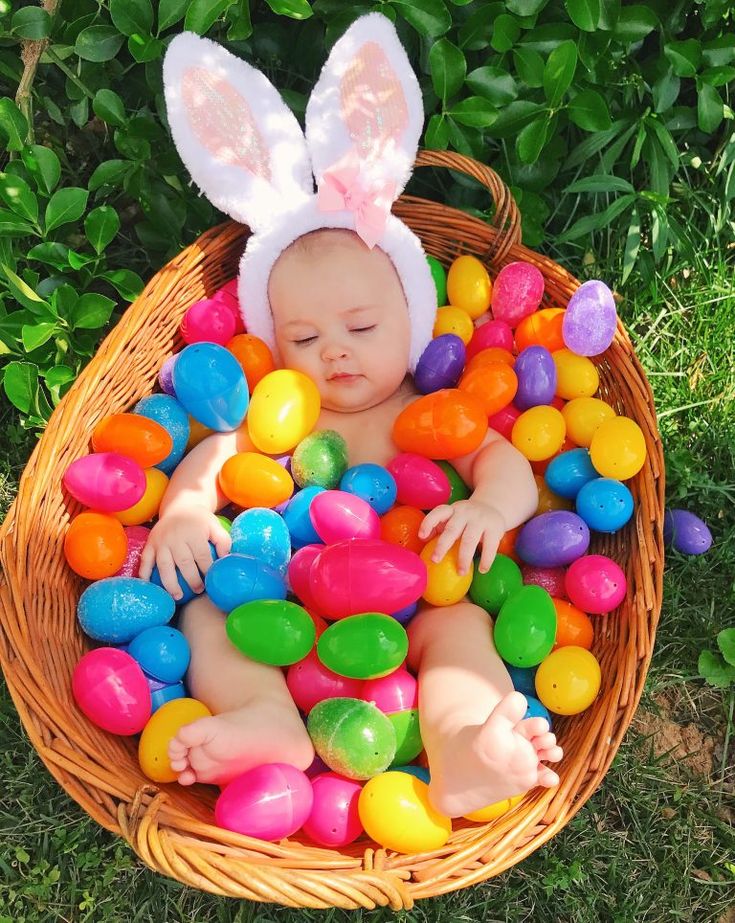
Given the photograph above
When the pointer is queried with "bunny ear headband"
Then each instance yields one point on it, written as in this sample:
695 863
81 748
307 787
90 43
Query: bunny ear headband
247 153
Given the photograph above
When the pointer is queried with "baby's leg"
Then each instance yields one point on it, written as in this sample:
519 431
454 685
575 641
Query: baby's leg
254 718
480 748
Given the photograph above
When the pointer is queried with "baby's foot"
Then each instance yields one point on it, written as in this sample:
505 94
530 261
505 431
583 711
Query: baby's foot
219 748
490 762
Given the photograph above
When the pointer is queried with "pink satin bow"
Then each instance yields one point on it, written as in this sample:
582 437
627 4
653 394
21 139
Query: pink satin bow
341 188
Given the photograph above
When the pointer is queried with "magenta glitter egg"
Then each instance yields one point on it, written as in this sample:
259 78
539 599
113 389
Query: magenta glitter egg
137 537
517 292
595 584
550 578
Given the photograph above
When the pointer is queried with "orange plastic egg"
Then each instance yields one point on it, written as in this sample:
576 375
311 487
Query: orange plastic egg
547 499
443 425
490 355
133 435
197 432
494 385
254 356
251 479
146 508
539 432
400 526
542 328
95 545
507 544
572 625
454 320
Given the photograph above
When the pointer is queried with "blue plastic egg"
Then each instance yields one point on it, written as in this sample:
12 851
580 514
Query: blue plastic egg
568 472
211 386
297 518
189 594
522 679
238 578
536 709
553 539
262 534
164 692
536 371
372 483
167 411
605 504
441 364
163 653
116 609
421 772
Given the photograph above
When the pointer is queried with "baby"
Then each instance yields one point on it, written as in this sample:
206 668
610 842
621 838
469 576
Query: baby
341 316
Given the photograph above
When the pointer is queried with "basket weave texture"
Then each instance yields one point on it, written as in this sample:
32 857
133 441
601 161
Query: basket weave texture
170 827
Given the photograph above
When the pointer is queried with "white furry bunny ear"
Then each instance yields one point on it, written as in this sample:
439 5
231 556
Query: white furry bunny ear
240 142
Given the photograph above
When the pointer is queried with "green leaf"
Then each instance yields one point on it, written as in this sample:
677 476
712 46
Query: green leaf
448 69
437 133
710 111
127 283
726 644
632 244
589 223
20 381
531 140
35 335
131 16
109 107
715 670
429 18
171 12
100 226
585 14
65 205
684 57
50 252
589 111
92 311
23 293
473 111
634 23
665 140
145 48
506 31
559 72
18 196
475 33
665 91
241 26
13 124
295 9
31 22
600 183
530 66
11 225
202 14
494 83
525 7
98 43
719 51
111 173
718 76
58 375
43 165
513 117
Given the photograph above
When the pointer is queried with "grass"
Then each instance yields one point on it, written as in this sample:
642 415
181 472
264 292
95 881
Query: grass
655 843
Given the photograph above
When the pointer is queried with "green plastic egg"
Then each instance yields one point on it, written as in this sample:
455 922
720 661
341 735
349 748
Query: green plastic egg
408 735
225 522
353 737
525 628
458 489
363 646
320 460
273 631
491 590
439 275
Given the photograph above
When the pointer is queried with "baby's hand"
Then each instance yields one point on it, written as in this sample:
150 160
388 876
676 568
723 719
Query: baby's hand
180 539
476 522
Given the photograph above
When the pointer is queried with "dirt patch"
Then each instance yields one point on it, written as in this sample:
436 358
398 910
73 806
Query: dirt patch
682 743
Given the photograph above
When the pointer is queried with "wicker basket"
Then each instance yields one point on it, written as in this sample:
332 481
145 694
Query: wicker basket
171 827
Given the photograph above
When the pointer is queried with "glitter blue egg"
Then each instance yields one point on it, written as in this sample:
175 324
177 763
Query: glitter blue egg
116 609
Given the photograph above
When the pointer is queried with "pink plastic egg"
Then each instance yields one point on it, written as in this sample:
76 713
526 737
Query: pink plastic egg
208 321
398 691
590 320
550 578
299 568
334 818
111 689
517 292
227 295
595 584
420 481
309 682
503 421
137 537
269 802
493 333
338 515
105 481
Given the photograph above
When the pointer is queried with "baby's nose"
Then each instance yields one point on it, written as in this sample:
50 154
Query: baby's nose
334 350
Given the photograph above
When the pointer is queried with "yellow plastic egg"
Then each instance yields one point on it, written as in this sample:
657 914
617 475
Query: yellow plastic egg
548 500
583 415
445 585
284 408
539 432
568 680
146 508
395 811
163 725
251 479
618 448
469 286
454 320
493 811
197 432
576 376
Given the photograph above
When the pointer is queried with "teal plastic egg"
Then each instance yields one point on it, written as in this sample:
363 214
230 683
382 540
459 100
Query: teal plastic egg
116 609
490 590
525 629
239 578
262 534
211 386
353 738
273 631
363 646
320 460
167 411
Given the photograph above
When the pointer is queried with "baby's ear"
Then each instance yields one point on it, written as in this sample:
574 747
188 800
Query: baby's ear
240 142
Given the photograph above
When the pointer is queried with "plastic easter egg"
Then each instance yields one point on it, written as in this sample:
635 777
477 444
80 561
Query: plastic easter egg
572 626
493 334
490 590
542 328
372 483
446 424
408 735
197 432
517 292
285 407
146 508
536 709
547 499
439 275
161 728
686 532
419 772
105 481
550 578
354 738
211 386
396 691
420 482
363 646
110 688
405 615
228 296
595 584
298 519
576 376
136 537
365 575
319 460
536 374
262 534
618 448
400 526
167 411
504 421
208 321
493 811
568 472
162 652
95 545
299 570
270 802
334 819
458 490
116 609
396 812
553 539
539 433
251 479
239 578
187 594
225 522
583 416
134 436
494 385
441 364
272 631
469 286
166 375
507 544
605 504
454 321
445 585
309 681
337 515
164 692
525 628
590 319
568 680
254 356
523 679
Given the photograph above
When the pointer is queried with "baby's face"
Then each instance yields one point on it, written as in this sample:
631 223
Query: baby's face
341 317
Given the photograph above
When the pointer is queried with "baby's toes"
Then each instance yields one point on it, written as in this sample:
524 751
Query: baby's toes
552 755
187 777
547 777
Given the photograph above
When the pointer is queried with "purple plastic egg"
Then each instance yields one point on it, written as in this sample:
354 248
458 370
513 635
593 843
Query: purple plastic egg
517 292
589 323
553 539
420 481
441 364
105 481
166 375
536 371
686 532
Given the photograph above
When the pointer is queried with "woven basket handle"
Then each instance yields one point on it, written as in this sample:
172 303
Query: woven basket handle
507 219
